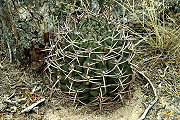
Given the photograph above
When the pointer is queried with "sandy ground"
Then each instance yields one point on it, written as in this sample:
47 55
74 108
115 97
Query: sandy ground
132 110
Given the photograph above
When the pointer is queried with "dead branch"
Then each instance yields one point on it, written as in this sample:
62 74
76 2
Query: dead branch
143 116
33 105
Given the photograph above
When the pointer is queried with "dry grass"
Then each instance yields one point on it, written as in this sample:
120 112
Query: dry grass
162 30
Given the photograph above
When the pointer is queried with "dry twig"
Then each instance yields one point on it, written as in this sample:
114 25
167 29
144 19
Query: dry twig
143 116
10 52
33 105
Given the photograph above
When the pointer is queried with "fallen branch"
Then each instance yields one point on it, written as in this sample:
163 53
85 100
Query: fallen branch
143 116
33 105
15 101
10 52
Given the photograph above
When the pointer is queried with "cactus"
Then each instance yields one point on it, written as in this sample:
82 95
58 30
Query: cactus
91 61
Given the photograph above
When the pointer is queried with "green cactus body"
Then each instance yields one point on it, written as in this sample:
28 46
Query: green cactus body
93 65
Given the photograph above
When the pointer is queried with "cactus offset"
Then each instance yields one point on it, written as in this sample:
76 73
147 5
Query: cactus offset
92 61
